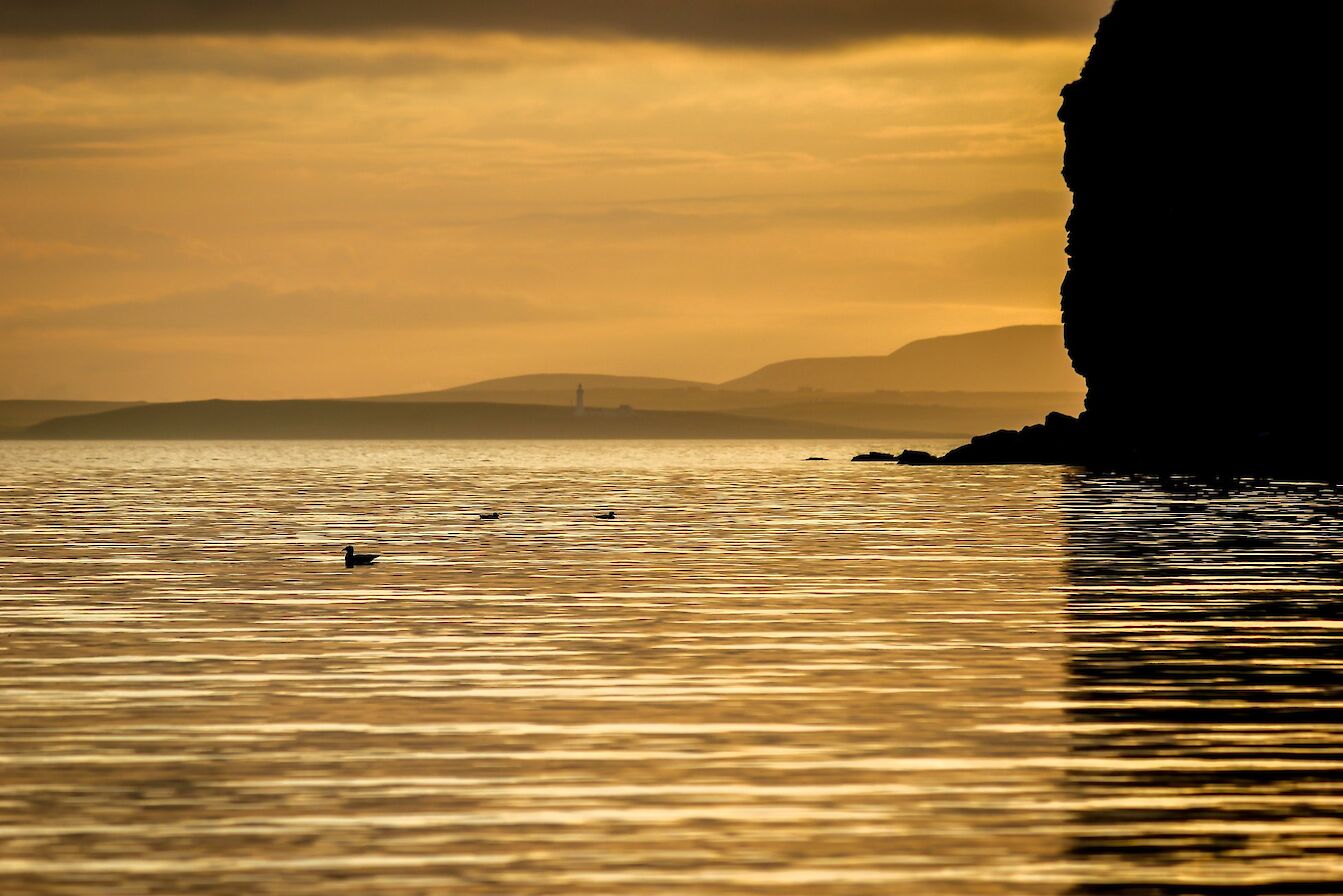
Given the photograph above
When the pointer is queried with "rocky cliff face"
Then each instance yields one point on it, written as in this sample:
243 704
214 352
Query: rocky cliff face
1200 299
1192 135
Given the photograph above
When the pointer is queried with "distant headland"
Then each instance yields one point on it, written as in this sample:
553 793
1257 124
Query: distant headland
299 419
949 387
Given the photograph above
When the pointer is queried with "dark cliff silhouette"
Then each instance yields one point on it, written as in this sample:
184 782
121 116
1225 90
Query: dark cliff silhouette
1195 303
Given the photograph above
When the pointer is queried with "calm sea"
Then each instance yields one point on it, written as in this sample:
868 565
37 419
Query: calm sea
766 676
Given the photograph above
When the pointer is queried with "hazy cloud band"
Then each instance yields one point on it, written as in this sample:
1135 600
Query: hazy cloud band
762 23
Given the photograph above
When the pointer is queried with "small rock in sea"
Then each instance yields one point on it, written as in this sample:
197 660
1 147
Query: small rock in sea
818 458
916 458
875 457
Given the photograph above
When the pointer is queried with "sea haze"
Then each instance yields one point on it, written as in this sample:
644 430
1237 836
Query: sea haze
765 675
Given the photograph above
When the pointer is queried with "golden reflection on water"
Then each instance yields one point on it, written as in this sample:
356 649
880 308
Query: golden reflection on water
766 676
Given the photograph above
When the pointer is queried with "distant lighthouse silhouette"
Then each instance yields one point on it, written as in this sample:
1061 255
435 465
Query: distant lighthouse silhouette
579 408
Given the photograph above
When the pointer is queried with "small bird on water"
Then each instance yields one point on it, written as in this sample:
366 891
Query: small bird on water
489 516
609 515
353 559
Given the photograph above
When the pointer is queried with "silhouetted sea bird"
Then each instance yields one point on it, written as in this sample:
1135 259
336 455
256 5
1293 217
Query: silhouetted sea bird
353 559
609 515
489 516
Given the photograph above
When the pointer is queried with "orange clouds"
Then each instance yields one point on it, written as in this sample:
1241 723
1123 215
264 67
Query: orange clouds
625 206
772 23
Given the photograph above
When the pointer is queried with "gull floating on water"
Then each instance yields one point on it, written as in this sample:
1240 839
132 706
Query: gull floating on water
353 559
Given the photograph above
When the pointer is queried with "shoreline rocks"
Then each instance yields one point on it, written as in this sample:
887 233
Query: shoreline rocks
875 457
1078 442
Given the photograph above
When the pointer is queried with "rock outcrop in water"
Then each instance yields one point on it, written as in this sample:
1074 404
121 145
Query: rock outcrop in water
875 457
1198 300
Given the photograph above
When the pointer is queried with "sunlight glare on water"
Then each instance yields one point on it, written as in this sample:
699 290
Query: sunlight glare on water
765 676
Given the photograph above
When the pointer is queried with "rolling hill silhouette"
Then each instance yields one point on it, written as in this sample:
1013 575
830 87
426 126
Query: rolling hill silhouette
20 413
1011 359
950 386
548 382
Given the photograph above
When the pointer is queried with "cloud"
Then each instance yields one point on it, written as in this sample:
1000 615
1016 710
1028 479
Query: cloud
242 308
758 23
436 206
273 59
41 140
660 220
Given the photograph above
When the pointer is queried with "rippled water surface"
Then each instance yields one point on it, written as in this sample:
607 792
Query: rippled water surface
765 677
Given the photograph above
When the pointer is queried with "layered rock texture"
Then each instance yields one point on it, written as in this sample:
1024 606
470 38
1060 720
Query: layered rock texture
1200 301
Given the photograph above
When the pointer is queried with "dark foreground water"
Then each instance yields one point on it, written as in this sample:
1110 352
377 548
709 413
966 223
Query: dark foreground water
766 677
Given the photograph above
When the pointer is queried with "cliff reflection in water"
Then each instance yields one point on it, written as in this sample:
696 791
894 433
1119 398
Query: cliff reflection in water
1204 688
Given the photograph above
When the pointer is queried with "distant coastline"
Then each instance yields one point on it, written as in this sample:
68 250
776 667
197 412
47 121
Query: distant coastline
303 419
949 387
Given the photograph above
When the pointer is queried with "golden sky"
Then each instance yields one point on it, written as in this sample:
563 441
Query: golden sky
268 209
